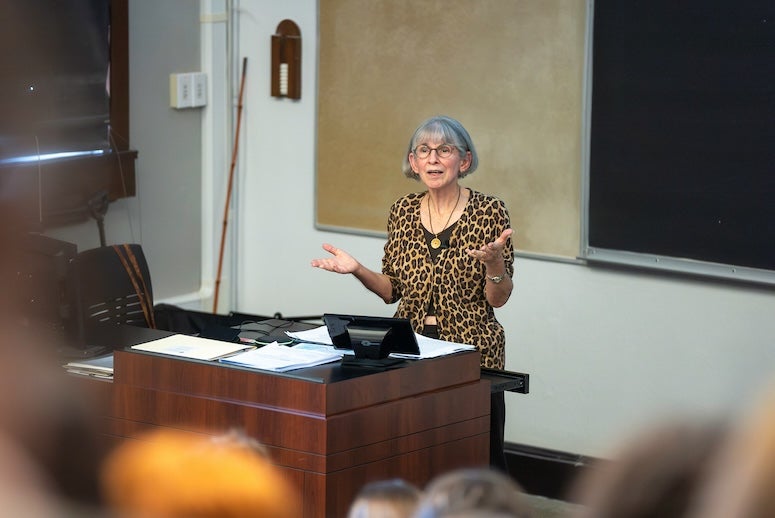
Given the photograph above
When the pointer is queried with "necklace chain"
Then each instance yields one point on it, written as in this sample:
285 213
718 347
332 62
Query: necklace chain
435 243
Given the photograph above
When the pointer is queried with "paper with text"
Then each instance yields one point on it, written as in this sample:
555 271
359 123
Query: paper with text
281 358
429 347
192 347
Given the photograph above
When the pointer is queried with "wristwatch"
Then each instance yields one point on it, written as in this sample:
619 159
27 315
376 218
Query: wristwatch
497 278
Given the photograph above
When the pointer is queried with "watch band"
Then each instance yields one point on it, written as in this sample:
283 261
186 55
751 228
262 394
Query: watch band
496 278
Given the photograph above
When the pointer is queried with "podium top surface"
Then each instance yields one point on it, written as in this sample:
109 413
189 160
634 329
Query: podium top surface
324 389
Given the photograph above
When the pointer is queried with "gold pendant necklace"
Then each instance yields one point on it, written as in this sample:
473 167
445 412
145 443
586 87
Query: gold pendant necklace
436 242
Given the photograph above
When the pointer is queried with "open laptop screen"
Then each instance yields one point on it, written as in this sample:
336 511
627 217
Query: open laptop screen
394 334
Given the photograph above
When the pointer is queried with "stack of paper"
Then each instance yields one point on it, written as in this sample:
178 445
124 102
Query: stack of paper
192 347
429 347
100 367
433 348
281 358
317 335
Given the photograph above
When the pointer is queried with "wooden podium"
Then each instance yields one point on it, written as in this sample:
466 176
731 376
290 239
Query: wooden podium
329 428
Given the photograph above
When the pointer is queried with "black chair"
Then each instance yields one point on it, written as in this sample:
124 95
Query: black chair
110 285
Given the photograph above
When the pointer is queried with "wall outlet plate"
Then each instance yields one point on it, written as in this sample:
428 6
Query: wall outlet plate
188 90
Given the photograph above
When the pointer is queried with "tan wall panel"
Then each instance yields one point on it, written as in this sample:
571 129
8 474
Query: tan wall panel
510 71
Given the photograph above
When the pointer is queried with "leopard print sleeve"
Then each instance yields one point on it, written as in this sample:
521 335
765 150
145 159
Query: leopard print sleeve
403 227
390 250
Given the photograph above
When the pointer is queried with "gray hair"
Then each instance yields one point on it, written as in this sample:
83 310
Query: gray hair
444 129
473 492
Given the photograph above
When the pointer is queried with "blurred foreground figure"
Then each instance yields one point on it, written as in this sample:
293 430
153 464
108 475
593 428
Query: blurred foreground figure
24 490
657 473
175 474
742 483
43 413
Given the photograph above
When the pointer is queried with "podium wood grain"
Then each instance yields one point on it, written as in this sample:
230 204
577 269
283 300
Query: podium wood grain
328 437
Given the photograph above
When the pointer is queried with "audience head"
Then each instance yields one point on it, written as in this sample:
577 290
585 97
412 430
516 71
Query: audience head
176 474
742 482
473 492
654 473
394 498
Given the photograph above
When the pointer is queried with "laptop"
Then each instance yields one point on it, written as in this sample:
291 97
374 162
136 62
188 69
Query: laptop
353 332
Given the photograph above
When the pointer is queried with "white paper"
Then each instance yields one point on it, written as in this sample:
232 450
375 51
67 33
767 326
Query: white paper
433 348
99 364
281 358
100 367
192 347
318 335
429 347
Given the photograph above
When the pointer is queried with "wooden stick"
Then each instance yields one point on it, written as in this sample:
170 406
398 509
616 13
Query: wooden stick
231 181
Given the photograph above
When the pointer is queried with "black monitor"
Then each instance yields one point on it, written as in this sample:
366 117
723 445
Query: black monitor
371 337
55 92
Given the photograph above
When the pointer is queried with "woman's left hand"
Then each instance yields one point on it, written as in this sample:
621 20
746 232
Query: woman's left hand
492 252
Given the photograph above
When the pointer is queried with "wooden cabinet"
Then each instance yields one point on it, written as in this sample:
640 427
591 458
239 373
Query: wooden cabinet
329 429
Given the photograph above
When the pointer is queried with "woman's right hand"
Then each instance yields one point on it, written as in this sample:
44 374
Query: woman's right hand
341 262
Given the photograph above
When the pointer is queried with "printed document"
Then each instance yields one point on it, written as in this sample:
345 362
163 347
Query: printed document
429 347
192 347
281 358
100 367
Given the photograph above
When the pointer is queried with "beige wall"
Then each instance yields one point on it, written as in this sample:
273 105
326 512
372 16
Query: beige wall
511 72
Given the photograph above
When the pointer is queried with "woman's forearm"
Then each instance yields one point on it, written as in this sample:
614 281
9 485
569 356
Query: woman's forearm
375 282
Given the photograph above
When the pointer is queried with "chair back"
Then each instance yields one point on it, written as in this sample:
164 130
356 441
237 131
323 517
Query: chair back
109 285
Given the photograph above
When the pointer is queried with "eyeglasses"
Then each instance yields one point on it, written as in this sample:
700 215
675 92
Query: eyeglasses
443 151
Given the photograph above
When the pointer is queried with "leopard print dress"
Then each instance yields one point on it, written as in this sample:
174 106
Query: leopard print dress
456 281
